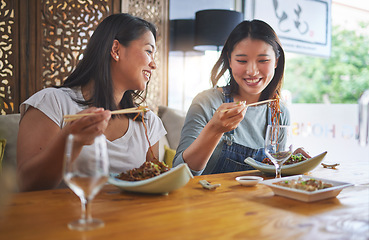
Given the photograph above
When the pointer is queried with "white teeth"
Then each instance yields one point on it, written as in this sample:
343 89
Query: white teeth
253 80
147 74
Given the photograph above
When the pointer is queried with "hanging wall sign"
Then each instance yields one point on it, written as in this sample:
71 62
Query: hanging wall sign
303 26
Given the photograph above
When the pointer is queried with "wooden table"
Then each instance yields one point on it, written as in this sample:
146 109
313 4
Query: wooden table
229 212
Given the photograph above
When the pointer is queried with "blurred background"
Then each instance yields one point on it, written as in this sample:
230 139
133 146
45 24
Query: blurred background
326 44
333 70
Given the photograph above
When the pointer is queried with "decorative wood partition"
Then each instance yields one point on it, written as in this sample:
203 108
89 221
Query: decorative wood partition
42 40
157 12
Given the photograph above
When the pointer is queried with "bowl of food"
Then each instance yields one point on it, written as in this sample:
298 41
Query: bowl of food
305 188
162 183
294 168
248 181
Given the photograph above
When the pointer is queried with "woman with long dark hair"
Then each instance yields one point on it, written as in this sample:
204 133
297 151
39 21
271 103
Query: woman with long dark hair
113 74
218 134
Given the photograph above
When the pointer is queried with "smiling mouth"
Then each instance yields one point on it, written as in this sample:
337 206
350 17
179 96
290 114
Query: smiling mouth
147 74
252 81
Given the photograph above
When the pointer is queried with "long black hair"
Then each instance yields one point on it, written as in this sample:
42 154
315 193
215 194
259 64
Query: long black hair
95 65
255 29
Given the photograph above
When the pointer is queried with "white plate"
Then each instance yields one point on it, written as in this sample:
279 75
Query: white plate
292 169
306 196
166 182
249 180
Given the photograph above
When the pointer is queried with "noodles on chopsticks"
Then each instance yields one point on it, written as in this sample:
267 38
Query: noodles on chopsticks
276 110
276 113
147 137
148 169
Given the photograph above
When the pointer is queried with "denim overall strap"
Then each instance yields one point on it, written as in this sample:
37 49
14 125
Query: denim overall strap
227 94
228 99
233 155
232 158
269 118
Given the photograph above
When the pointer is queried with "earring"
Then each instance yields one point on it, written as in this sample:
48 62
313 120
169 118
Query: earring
117 57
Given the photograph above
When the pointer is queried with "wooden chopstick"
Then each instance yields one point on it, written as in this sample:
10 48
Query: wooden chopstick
252 104
261 102
69 118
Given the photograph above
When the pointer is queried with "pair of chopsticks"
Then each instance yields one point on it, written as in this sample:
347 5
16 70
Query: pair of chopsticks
251 104
69 118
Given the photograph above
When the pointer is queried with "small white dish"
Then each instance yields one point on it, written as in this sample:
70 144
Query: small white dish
292 169
166 182
248 180
303 195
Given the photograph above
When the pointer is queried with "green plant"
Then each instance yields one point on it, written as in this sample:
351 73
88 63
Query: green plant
341 78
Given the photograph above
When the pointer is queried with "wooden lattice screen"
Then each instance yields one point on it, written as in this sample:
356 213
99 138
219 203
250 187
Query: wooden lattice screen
157 12
66 29
40 42
7 57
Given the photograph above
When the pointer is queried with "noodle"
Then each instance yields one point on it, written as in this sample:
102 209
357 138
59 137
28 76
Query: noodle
309 185
276 110
294 158
148 169
276 113
147 137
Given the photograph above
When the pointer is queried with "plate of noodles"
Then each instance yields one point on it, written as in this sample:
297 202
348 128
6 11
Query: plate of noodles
305 188
300 167
163 182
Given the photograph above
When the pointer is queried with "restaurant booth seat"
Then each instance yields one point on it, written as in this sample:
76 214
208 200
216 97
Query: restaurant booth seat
172 120
9 126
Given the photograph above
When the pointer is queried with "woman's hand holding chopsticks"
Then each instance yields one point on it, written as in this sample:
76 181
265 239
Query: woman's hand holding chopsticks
228 116
93 124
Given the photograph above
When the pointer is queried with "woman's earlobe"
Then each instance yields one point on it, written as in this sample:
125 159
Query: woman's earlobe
114 55
115 50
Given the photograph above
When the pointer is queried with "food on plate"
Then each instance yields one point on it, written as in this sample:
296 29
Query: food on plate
294 158
147 170
299 155
309 185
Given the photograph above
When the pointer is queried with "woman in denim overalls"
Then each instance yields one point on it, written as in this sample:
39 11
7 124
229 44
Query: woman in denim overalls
255 61
233 155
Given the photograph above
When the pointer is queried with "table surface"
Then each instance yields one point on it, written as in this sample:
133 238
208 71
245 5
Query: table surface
231 211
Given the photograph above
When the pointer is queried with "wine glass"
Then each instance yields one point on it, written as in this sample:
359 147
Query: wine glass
278 145
86 170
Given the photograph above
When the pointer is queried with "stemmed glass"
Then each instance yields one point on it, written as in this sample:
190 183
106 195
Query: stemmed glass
278 145
86 170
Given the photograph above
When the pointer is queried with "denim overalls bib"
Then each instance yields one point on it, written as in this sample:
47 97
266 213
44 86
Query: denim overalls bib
233 155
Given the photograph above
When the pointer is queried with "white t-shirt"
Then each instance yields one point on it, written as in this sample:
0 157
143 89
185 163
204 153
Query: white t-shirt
126 152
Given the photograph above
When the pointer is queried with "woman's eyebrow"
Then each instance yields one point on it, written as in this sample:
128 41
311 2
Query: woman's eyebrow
245 55
153 46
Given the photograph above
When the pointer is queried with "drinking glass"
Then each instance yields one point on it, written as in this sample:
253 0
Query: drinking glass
278 145
86 170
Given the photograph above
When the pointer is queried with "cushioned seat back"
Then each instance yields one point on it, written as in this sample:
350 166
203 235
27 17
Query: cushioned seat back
173 121
9 126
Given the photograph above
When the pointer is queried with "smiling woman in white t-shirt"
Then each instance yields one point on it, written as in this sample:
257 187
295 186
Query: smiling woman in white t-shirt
115 70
